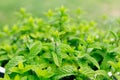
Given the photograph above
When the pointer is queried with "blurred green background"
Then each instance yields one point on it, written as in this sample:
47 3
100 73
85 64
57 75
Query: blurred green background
93 8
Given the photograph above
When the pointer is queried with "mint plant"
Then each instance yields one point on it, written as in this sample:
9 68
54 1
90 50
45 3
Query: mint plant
58 48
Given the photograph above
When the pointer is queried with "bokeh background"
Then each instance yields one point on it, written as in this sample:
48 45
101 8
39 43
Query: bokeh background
93 9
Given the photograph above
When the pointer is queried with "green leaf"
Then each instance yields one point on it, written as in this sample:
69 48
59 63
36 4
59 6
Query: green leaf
2 79
7 77
117 76
87 71
17 77
43 70
107 58
4 57
32 77
27 68
91 59
55 59
2 52
64 71
114 34
13 62
24 78
23 70
20 65
101 72
34 50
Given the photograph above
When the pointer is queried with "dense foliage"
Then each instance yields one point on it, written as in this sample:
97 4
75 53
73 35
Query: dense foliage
58 48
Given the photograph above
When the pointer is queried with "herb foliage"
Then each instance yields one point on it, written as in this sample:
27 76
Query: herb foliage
58 48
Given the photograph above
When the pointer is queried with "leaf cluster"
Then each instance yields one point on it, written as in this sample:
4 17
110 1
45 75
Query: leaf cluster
58 48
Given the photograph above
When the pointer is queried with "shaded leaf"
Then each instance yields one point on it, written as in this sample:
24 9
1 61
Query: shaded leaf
91 59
